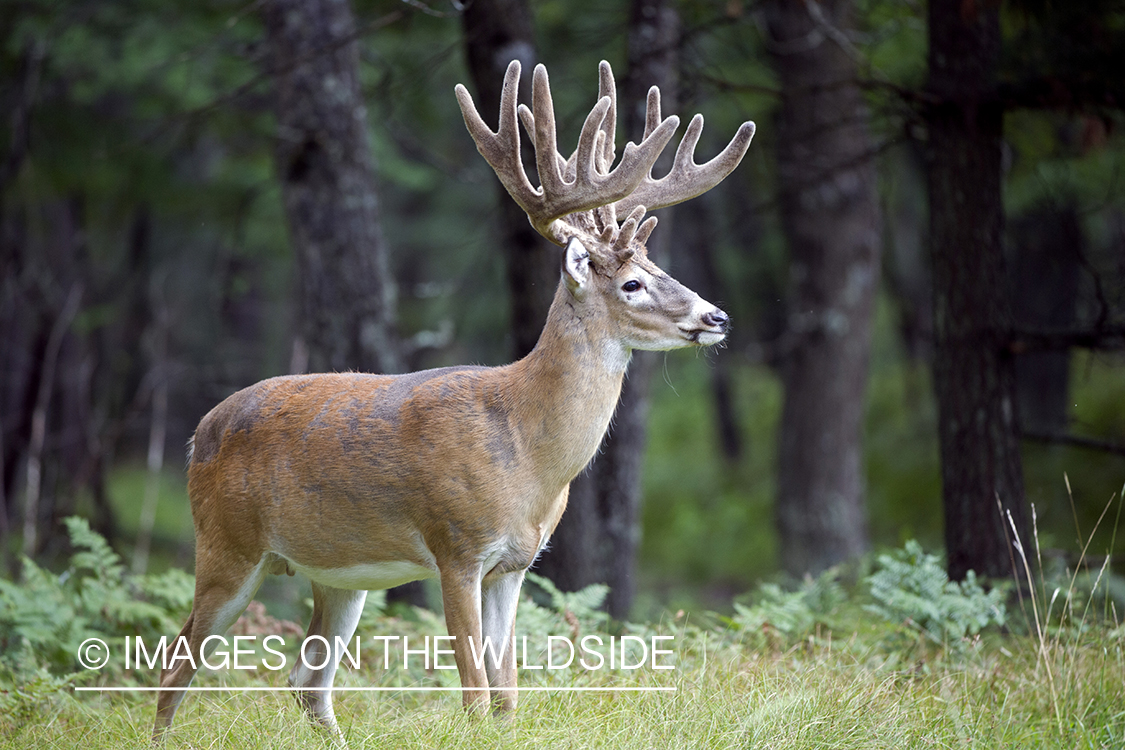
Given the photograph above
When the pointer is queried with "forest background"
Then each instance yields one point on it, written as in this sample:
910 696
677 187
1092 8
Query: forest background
923 254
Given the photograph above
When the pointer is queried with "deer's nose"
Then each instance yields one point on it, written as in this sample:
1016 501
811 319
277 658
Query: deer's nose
717 319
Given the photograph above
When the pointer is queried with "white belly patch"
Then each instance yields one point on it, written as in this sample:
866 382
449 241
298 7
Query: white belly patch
367 576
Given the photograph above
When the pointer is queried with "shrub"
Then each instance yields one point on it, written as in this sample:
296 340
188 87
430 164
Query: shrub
568 613
45 617
911 587
790 614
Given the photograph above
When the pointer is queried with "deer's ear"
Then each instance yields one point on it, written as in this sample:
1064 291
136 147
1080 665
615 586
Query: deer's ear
576 268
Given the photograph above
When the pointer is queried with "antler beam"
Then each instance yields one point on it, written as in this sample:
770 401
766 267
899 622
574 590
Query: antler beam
686 180
559 194
585 181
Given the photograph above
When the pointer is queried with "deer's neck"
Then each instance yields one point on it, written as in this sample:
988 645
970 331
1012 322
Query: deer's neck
568 386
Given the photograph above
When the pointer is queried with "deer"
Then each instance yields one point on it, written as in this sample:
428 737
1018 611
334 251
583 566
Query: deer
364 482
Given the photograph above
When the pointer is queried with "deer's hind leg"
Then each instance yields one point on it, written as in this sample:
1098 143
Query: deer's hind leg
335 616
222 591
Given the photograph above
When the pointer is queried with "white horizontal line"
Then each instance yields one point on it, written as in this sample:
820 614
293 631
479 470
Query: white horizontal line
367 689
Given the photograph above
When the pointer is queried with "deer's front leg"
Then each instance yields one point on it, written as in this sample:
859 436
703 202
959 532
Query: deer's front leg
500 597
461 596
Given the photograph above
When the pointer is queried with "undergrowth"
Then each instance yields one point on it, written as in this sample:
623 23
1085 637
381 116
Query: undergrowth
45 619
896 657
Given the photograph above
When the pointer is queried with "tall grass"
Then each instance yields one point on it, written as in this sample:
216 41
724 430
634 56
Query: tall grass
1059 634
822 667
843 692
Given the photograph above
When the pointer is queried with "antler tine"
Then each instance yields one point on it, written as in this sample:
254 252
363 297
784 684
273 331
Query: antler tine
608 88
686 179
645 230
543 134
605 149
502 149
589 188
584 181
628 229
652 110
565 166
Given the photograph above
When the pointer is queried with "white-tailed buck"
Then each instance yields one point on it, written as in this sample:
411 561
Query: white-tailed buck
369 481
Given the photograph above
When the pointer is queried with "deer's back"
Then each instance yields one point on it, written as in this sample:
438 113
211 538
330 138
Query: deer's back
356 455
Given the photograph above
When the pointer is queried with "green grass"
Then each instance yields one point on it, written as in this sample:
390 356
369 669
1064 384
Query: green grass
875 687
830 665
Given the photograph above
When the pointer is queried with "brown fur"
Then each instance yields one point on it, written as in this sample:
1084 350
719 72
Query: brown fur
447 469
461 473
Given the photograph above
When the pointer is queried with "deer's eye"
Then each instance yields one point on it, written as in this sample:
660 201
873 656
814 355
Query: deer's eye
631 286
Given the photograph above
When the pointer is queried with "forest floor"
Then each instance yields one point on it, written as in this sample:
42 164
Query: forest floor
886 652
875 687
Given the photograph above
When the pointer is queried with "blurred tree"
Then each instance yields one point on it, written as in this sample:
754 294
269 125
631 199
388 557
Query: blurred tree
974 375
327 174
830 216
49 413
1047 245
906 268
1063 102
497 32
598 536
1057 56
612 485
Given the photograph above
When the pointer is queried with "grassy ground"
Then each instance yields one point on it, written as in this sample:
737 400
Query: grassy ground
877 687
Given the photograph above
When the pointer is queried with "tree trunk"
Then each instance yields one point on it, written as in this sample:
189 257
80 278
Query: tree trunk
497 32
15 414
34 472
906 263
327 174
597 539
1048 244
23 340
157 434
327 177
974 377
830 216
696 234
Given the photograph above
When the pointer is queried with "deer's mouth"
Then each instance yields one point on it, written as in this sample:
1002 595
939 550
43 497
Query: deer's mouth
703 336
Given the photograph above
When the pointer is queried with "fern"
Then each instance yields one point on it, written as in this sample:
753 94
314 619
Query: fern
791 614
45 617
92 554
570 613
911 587
31 695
